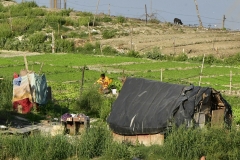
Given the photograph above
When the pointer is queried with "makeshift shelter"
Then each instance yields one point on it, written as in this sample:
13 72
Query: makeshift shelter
146 107
28 88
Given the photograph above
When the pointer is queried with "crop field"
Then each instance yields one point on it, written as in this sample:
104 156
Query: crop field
64 71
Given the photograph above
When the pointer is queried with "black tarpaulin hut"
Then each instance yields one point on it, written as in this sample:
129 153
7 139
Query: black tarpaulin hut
149 107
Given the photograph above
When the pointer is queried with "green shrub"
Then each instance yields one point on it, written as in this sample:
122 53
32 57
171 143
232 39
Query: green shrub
93 142
210 59
156 54
84 14
106 108
64 46
5 30
85 21
234 59
181 57
133 53
107 34
214 143
106 19
108 50
37 38
121 19
90 102
36 147
65 12
154 20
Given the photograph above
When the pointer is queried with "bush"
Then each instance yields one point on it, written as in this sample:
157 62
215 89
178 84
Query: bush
64 46
106 19
107 34
214 143
90 102
94 142
84 21
155 54
121 19
37 38
108 50
181 57
133 53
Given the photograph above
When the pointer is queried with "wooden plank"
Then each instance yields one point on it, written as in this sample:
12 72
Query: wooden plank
147 140
217 117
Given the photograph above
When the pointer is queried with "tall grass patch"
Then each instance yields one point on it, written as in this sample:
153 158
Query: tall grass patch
6 94
214 143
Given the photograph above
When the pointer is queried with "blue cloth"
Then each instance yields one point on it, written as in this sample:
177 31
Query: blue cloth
41 88
17 81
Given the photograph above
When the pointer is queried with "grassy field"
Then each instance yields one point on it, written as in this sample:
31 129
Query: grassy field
66 69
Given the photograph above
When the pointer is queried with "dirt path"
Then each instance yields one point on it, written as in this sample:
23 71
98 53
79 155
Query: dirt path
5 53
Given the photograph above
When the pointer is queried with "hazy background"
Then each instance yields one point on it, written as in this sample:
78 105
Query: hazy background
211 11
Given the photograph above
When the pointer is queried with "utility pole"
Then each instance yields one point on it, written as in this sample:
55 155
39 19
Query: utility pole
146 12
65 4
223 21
96 13
151 11
199 18
109 9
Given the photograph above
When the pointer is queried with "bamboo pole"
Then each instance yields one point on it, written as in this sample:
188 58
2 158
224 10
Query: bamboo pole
161 74
230 85
200 77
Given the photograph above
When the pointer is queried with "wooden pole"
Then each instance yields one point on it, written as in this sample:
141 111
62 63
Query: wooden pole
26 63
131 37
65 4
223 21
151 11
96 13
101 48
53 43
174 45
146 12
82 82
200 78
40 70
230 85
161 74
198 14
109 9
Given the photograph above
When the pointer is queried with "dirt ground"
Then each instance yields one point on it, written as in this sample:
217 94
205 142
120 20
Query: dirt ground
178 39
165 37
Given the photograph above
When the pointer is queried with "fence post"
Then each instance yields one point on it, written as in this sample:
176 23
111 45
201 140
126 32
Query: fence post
161 74
200 77
82 82
230 85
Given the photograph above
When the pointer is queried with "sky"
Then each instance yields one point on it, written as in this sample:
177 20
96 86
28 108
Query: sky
211 11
